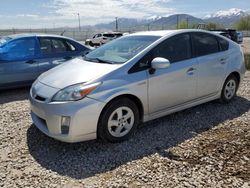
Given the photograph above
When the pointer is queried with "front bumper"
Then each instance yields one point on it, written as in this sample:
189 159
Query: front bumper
84 115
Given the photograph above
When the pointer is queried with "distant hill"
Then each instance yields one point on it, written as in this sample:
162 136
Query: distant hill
170 22
155 22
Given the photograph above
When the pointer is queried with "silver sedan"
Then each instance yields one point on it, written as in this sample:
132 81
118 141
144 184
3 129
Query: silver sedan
134 79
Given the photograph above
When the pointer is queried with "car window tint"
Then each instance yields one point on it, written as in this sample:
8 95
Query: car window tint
20 49
109 35
59 46
70 47
224 45
205 44
174 49
46 46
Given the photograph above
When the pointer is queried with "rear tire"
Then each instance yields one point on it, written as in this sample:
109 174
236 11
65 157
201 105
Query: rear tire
229 90
118 121
91 43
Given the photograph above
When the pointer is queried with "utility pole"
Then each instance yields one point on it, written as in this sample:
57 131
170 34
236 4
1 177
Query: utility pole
148 27
79 21
116 24
177 23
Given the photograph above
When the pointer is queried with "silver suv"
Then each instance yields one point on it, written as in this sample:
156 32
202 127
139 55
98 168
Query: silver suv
102 38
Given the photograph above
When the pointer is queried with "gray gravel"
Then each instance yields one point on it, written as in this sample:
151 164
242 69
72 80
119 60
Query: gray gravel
205 146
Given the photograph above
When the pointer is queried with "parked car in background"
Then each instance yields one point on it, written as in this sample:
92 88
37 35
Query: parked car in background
239 37
222 33
134 79
24 57
102 38
230 32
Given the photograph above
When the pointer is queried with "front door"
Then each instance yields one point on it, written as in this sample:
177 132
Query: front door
18 64
176 84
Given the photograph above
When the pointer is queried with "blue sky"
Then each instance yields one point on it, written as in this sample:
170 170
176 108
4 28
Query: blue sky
55 13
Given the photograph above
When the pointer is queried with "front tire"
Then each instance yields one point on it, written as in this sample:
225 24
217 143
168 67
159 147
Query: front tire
229 89
118 121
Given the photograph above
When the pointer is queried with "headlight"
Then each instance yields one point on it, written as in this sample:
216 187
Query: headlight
75 92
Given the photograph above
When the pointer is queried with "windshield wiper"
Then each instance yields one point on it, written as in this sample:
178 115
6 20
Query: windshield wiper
104 61
98 60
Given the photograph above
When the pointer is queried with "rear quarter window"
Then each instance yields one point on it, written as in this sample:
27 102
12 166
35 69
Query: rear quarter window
224 44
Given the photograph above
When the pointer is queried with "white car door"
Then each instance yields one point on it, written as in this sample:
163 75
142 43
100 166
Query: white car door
212 56
176 84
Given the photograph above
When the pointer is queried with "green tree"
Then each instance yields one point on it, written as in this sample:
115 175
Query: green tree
182 25
212 25
243 24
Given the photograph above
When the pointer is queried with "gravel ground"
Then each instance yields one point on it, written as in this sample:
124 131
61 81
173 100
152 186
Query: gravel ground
205 146
246 45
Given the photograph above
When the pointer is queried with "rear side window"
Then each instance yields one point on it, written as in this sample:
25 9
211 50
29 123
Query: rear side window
46 46
70 47
53 46
224 45
20 49
205 44
177 48
59 46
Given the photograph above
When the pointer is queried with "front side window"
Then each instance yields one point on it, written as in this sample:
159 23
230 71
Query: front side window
176 48
121 50
20 49
205 44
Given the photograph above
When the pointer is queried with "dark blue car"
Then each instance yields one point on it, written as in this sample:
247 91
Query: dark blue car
24 57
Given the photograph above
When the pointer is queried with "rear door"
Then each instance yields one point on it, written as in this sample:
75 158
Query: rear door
212 55
55 51
18 62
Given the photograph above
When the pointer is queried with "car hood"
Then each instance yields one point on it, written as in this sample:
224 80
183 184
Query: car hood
74 72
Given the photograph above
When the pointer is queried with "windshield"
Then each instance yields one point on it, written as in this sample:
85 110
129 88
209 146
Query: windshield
121 50
4 40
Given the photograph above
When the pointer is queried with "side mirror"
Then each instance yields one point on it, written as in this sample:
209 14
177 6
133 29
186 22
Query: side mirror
160 63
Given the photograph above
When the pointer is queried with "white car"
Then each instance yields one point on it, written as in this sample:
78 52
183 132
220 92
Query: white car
102 38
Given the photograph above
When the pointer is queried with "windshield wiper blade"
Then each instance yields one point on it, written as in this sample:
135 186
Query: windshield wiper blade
103 61
97 60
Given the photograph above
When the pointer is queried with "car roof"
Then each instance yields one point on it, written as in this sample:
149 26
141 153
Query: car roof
23 35
163 33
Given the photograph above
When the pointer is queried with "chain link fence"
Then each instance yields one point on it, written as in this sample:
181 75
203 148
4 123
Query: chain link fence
75 34
79 35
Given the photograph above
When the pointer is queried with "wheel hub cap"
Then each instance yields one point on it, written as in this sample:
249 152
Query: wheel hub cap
121 122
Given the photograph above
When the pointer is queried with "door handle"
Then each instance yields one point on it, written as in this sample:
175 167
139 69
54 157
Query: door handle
191 71
30 62
223 61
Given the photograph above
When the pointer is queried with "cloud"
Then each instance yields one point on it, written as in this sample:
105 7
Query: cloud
96 11
61 13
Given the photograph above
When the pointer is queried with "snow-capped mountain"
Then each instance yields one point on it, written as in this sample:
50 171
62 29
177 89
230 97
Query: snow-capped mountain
226 17
227 13
153 18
